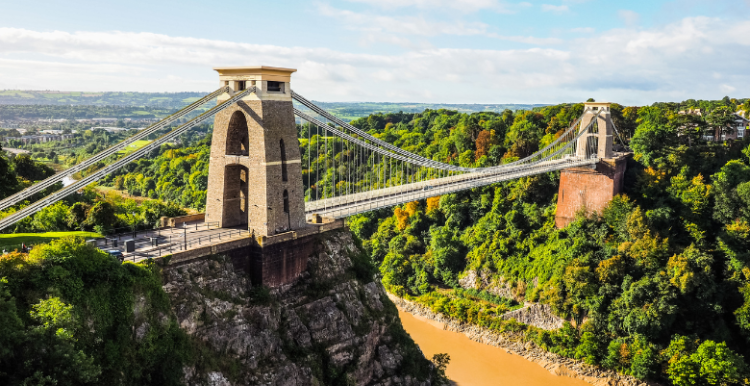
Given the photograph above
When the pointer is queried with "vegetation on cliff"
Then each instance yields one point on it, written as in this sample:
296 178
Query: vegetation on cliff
71 314
657 284
66 317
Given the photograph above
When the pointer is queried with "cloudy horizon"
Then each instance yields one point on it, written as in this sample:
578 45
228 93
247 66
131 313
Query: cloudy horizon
465 51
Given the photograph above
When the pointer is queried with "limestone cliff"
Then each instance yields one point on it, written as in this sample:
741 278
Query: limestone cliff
533 314
334 326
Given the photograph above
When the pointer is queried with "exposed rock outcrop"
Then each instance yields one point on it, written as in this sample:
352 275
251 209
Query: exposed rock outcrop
537 315
329 327
514 343
533 314
484 281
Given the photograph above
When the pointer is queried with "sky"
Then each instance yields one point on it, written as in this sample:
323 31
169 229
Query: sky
442 51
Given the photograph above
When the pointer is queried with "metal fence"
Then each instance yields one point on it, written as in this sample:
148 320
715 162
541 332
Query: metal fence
183 242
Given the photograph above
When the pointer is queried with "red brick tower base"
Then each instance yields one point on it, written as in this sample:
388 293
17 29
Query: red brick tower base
588 189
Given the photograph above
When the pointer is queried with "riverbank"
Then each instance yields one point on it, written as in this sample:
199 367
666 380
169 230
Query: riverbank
513 345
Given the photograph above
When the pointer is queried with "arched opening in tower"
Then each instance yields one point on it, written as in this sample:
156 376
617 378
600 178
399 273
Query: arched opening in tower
235 196
283 161
237 135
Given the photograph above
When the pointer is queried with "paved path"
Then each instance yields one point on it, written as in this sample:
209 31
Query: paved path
165 241
16 151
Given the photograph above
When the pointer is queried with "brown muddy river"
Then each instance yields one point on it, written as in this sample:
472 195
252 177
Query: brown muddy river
476 364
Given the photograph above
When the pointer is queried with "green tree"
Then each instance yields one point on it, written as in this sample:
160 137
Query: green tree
682 370
52 341
719 365
732 192
102 214
11 324
653 136
8 182
589 348
77 215
52 218
26 168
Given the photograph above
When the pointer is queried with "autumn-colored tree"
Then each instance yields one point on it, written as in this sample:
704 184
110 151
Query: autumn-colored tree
611 269
433 203
402 218
411 208
484 142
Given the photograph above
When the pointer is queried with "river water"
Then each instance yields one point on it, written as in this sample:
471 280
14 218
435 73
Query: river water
476 364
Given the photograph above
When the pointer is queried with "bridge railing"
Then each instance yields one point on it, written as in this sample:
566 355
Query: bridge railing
183 242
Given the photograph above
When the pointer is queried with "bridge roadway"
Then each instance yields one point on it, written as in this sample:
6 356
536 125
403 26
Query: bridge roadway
351 204
164 241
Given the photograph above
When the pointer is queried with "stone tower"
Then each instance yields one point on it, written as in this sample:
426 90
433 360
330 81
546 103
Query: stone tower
254 176
591 189
602 131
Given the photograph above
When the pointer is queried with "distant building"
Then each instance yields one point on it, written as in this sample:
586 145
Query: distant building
39 138
740 129
115 129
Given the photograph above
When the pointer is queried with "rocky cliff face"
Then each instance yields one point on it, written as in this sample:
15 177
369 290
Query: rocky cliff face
533 314
334 326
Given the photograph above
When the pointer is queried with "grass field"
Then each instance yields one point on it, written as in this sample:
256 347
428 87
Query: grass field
14 240
134 146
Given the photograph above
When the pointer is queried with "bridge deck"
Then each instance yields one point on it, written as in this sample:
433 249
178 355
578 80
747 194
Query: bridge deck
344 206
195 239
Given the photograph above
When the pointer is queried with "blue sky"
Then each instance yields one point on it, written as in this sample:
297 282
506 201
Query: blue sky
459 51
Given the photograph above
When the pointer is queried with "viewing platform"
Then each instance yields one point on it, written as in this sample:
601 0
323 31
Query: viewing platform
187 240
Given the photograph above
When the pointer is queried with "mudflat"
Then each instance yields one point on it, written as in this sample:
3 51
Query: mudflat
476 364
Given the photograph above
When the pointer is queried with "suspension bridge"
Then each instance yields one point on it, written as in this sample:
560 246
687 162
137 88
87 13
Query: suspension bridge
267 179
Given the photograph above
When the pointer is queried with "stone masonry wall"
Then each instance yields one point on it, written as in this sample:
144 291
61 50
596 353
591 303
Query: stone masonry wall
281 263
268 122
588 189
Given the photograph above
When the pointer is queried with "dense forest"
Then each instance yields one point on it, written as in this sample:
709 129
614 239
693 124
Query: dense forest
89 210
656 286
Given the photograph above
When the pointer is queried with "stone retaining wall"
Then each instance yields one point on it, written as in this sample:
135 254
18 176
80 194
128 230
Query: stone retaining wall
175 221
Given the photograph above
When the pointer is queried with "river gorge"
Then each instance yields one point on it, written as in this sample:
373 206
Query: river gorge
477 364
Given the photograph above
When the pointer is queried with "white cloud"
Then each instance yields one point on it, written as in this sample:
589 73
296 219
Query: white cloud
629 66
584 30
387 29
408 25
555 8
467 6
630 18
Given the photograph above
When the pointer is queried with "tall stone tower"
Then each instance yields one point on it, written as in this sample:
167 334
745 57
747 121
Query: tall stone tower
254 176
601 132
591 189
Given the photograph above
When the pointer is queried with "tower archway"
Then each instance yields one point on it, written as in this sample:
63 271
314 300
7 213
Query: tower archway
235 202
237 135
